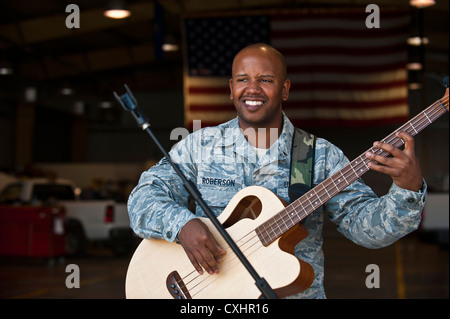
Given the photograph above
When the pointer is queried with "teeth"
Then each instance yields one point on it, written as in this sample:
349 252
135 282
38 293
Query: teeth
253 103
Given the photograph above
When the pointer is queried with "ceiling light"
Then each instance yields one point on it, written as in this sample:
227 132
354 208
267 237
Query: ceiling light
105 104
416 41
66 88
414 86
6 71
78 107
170 47
116 9
6 68
67 91
414 66
422 3
30 94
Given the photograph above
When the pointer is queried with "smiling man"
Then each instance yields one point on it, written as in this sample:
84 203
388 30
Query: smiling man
239 153
258 87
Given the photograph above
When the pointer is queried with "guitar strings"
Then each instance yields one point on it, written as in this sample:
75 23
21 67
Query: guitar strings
229 264
229 259
225 247
421 123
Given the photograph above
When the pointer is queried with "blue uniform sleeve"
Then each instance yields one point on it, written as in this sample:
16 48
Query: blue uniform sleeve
365 218
158 205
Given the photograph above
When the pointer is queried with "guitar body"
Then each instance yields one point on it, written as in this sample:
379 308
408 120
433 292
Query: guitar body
161 269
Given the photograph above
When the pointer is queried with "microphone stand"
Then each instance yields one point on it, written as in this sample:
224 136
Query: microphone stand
129 103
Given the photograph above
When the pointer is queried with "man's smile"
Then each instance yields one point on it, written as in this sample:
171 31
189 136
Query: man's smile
253 103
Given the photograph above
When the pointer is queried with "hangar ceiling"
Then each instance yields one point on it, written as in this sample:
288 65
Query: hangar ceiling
104 53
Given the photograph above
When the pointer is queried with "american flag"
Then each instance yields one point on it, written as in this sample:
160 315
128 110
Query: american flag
342 72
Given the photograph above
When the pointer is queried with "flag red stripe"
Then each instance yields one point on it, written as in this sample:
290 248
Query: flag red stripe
307 105
342 104
341 50
345 69
329 86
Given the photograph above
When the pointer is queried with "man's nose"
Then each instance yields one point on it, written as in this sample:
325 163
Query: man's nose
253 87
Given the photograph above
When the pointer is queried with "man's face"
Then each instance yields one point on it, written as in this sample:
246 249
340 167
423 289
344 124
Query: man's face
258 88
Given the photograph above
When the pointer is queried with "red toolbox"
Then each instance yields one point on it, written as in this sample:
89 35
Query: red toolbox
32 231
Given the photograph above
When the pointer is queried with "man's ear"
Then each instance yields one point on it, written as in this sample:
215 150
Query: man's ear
286 87
231 89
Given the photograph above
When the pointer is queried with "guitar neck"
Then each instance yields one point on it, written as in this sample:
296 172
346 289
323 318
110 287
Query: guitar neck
320 194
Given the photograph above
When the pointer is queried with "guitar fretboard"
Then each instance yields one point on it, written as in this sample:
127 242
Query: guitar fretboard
320 194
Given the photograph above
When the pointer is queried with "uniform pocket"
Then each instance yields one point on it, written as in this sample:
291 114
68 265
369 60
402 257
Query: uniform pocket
217 190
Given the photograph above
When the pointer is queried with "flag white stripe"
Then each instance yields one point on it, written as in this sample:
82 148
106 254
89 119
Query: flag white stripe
369 77
208 82
340 42
321 95
346 60
348 114
349 96
372 78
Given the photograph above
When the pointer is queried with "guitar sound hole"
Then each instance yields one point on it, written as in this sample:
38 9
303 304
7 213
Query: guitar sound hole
248 207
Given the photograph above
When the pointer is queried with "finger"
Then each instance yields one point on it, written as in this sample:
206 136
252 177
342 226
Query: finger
202 259
195 263
210 264
214 257
376 158
217 253
215 248
394 151
207 261
383 159
221 255
408 140
393 172
382 164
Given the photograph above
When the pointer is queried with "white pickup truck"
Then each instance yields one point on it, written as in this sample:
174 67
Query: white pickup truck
86 220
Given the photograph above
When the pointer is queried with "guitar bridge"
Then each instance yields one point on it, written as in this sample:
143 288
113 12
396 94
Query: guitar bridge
176 286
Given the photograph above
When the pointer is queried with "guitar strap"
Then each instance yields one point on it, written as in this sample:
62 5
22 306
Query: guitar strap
302 163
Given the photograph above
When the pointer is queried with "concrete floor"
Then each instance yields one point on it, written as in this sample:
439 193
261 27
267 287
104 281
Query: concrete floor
411 269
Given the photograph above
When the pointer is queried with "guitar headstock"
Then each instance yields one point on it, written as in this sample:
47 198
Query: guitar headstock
444 100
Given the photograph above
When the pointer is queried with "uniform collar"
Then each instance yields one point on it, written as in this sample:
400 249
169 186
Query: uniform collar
234 136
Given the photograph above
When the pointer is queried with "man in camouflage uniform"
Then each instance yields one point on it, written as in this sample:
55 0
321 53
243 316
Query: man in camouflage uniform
255 149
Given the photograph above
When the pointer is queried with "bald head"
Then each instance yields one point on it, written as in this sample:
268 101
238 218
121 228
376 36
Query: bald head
259 86
266 50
